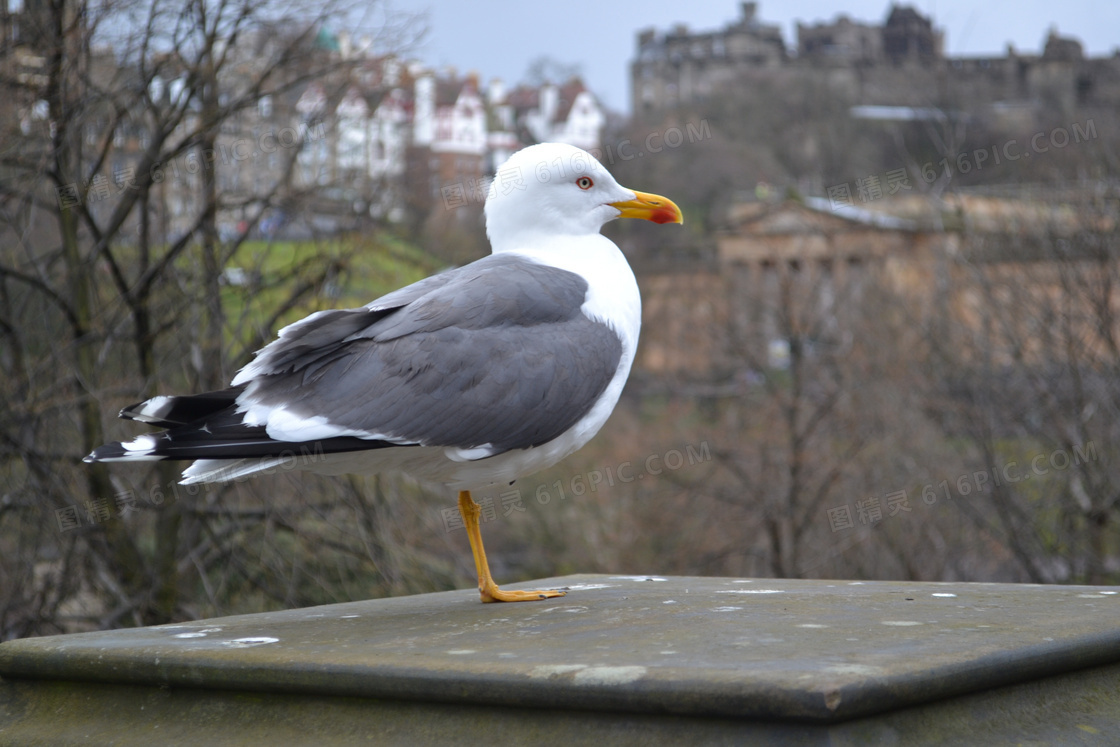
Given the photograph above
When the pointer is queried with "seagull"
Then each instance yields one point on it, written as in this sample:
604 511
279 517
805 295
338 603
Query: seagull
473 377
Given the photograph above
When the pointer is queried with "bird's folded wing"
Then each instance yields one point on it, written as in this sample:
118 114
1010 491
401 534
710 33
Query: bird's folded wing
492 357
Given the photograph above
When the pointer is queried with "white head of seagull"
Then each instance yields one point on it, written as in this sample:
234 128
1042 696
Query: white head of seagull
554 190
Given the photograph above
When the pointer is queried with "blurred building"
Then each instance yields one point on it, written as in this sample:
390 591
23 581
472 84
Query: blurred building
680 65
900 62
376 138
417 139
826 268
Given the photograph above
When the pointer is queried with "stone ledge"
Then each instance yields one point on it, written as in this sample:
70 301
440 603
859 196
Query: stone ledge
769 651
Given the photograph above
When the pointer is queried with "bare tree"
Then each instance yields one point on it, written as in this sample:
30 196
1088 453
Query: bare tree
1027 370
127 163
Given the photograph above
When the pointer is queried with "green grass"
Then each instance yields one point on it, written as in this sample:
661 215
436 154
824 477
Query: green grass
301 277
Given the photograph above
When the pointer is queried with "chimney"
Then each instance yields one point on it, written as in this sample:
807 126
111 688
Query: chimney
550 102
424 116
496 91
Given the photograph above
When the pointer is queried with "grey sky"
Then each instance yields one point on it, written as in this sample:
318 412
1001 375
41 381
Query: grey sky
500 39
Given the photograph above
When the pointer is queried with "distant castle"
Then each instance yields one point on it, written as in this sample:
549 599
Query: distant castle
900 63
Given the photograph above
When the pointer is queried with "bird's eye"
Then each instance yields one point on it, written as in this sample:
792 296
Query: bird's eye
584 182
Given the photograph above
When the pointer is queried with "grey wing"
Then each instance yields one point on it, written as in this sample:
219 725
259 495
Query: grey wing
497 355
310 337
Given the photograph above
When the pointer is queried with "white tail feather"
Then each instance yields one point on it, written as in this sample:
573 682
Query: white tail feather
226 470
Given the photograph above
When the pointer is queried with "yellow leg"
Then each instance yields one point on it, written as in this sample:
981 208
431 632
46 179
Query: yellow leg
486 586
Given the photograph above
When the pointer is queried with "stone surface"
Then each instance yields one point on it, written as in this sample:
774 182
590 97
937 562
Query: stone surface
646 650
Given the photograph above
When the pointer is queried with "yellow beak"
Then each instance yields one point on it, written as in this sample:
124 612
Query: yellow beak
650 207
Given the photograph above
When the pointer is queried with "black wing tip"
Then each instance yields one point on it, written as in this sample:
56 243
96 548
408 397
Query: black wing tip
104 453
170 411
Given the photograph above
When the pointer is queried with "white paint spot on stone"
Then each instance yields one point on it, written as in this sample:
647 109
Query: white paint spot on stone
638 578
811 625
1090 596
462 651
667 653
247 642
670 601
749 591
349 617
855 583
725 609
942 594
608 675
901 623
1108 592
201 633
544 671
585 587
